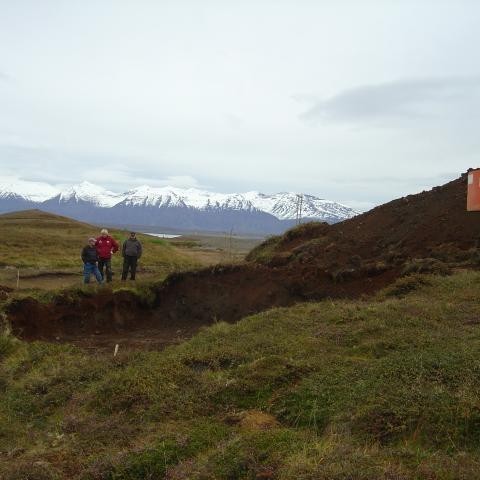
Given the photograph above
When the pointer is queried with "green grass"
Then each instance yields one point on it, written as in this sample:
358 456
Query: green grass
160 241
387 388
305 233
34 239
264 252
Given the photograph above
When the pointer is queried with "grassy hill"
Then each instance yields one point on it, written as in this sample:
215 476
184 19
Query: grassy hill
35 239
386 388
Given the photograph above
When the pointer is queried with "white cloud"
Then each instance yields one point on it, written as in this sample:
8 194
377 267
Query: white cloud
182 181
200 93
404 100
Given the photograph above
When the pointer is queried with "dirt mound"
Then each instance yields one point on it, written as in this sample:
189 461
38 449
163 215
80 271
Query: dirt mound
433 224
430 231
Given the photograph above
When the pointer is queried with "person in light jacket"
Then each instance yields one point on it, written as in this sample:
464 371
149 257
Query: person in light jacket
131 252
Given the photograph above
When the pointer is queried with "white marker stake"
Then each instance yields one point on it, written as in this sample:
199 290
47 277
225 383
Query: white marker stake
116 350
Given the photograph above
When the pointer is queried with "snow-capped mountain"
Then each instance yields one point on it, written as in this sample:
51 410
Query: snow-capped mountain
89 193
191 198
286 206
152 197
173 207
29 191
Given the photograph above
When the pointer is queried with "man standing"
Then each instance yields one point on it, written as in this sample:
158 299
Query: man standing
131 252
90 257
106 245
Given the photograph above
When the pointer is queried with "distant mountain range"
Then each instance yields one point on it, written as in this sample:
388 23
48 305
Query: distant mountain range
172 207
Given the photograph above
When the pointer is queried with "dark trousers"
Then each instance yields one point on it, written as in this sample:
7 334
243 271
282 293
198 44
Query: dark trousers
129 263
107 264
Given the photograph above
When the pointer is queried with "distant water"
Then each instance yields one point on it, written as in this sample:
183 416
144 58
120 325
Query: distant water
161 235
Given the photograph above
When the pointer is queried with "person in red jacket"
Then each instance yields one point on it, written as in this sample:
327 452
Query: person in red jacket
106 246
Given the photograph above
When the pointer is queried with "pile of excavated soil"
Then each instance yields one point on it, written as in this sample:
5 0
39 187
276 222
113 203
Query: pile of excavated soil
430 227
430 231
413 226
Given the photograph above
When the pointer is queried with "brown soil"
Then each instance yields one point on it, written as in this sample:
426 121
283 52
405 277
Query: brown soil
4 292
311 262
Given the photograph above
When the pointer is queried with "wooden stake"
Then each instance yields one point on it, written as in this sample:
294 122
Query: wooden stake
116 350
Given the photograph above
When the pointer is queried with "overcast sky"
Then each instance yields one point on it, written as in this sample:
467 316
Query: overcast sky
356 101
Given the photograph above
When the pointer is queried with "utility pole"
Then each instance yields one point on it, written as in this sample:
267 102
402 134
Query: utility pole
299 208
297 211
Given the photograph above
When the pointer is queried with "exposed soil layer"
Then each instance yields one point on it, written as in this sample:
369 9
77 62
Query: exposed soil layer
427 232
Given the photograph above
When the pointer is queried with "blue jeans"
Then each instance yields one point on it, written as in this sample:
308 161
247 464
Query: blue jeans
88 269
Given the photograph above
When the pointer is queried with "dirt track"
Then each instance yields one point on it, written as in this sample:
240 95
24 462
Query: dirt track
355 257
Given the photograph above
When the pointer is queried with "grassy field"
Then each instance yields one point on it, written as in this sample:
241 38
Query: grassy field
221 248
386 388
44 250
42 240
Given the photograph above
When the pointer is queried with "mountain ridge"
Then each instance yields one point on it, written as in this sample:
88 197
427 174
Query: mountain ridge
168 206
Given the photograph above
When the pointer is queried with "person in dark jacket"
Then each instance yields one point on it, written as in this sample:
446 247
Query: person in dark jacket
90 259
131 252
106 245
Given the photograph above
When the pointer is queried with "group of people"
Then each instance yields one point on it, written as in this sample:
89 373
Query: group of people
97 257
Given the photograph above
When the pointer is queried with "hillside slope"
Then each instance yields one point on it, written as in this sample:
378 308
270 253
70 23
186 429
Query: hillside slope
415 232
433 223
37 239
